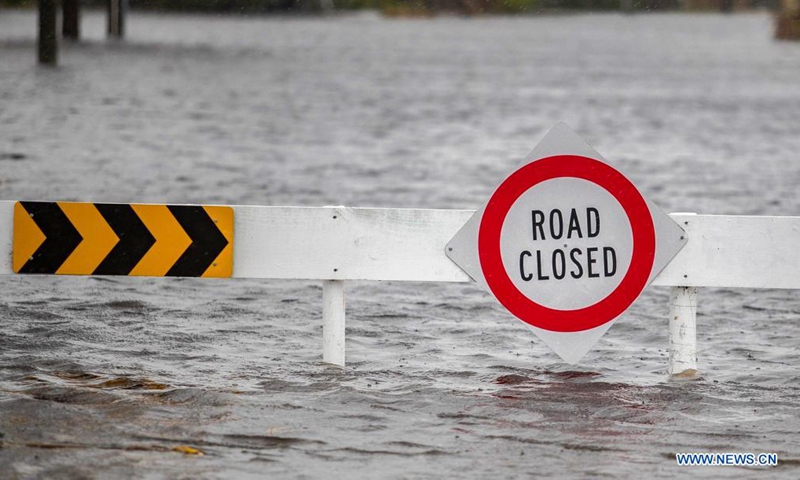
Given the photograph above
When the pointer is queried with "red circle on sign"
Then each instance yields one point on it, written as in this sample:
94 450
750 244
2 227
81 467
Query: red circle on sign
642 258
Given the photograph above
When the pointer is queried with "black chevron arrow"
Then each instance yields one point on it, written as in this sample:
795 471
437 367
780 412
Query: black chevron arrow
134 239
207 241
61 237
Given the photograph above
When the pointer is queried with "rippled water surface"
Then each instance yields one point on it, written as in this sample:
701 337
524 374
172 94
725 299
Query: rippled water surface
106 378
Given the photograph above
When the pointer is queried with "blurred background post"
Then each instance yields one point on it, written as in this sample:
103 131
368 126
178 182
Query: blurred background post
71 26
116 18
788 23
48 43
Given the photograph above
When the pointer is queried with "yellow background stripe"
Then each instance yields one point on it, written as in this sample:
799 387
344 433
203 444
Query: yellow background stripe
222 267
27 237
98 239
171 240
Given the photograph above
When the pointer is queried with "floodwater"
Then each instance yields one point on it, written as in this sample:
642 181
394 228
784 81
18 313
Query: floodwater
104 377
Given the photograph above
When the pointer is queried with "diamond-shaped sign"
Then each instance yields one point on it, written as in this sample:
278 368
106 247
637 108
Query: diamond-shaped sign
566 243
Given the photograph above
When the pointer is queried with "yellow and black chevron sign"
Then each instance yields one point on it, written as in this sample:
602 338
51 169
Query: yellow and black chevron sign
66 238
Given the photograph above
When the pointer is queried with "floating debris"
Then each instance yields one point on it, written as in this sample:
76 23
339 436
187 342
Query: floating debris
185 449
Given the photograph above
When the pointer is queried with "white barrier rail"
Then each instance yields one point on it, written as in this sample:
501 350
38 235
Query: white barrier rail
335 244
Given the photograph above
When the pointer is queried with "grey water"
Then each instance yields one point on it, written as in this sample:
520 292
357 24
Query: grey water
104 377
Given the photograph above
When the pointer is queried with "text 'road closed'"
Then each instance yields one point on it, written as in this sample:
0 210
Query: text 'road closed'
544 264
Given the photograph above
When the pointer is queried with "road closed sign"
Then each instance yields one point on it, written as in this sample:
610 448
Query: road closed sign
566 243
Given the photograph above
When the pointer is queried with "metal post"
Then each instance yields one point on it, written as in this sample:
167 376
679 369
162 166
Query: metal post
116 17
683 332
71 26
333 322
48 42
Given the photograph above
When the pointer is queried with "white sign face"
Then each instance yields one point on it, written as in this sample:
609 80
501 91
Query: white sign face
566 243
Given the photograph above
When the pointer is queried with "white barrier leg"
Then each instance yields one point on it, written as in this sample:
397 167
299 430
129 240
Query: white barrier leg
683 331
333 322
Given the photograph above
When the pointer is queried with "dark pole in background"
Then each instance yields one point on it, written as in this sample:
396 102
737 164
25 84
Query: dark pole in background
48 42
116 17
71 28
